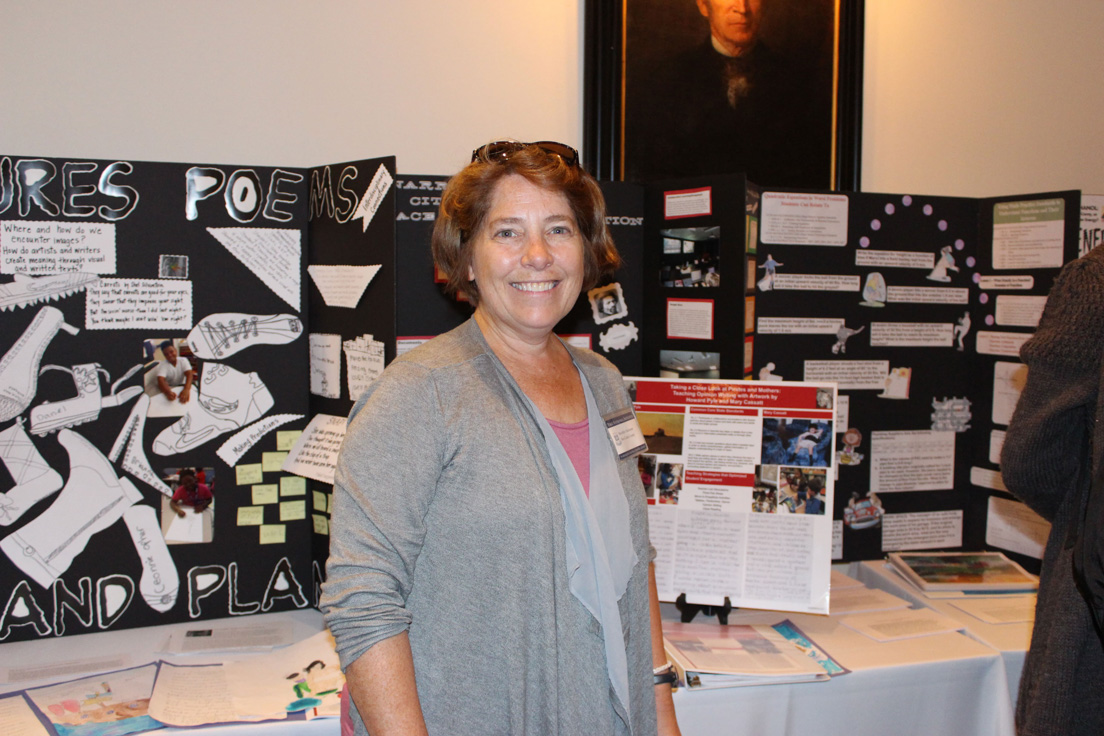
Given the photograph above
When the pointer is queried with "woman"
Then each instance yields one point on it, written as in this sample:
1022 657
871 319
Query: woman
1054 443
489 567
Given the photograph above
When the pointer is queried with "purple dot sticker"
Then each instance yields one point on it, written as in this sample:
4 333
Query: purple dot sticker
928 209
890 209
864 242
942 224
989 320
984 299
977 276
970 261
875 224
906 200
960 244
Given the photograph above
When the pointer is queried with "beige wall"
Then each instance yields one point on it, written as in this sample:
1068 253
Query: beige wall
963 97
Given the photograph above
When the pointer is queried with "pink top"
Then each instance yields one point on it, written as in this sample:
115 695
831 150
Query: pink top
575 439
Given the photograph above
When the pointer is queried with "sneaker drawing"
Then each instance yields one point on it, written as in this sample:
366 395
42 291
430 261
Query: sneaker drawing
19 366
228 399
34 479
26 290
85 406
218 336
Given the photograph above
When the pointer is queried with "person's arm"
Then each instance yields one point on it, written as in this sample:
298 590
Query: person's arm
665 704
176 508
164 387
381 684
186 392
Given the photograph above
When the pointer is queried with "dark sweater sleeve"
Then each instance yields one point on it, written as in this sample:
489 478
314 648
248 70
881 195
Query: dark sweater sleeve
1046 443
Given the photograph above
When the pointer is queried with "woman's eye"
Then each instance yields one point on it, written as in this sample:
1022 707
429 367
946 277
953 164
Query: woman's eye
505 233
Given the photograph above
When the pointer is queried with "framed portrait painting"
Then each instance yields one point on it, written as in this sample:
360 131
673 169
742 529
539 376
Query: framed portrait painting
770 88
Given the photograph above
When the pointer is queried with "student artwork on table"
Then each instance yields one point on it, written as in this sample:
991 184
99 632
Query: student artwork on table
154 373
740 477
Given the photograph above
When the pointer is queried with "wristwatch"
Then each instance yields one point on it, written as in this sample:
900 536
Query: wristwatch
664 675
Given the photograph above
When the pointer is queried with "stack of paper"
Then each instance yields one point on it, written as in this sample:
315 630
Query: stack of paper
960 574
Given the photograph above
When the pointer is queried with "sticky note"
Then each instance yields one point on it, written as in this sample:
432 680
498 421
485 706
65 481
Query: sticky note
293 485
285 440
267 493
321 524
273 462
293 510
250 515
319 501
273 533
247 475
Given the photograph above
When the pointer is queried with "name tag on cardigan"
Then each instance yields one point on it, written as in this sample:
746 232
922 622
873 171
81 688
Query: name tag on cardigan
625 433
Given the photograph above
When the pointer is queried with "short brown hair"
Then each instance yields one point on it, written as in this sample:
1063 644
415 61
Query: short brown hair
467 200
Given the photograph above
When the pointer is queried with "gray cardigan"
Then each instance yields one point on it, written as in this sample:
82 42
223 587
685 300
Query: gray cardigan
1046 462
448 522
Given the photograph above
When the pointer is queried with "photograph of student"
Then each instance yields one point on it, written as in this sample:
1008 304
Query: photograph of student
490 568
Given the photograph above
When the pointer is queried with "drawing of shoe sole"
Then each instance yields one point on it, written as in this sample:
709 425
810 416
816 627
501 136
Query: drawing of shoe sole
228 400
218 336
19 366
27 290
86 405
93 498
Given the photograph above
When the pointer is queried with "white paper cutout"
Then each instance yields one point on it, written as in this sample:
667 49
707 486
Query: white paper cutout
373 196
41 248
240 442
160 581
86 405
26 290
19 366
315 452
228 399
94 497
618 337
135 461
139 304
325 365
363 363
219 336
342 286
273 255
34 479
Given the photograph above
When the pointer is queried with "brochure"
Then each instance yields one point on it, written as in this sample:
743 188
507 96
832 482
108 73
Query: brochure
963 571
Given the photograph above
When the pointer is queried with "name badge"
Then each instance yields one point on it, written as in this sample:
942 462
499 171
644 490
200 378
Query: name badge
625 433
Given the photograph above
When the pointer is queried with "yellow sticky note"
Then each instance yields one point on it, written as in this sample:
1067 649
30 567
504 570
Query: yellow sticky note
293 510
268 493
329 504
250 515
319 501
247 475
273 462
273 533
286 440
293 485
321 524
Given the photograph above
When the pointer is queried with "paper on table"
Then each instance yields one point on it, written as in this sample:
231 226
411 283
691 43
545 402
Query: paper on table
219 638
838 581
303 676
902 624
118 701
861 600
19 719
1003 610
196 696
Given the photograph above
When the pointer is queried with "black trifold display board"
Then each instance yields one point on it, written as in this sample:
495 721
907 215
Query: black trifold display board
916 305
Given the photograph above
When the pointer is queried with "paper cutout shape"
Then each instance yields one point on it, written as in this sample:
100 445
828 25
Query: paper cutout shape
27 290
228 399
363 363
273 255
219 336
342 286
85 406
160 581
19 366
315 453
325 365
618 337
34 479
373 196
241 442
135 461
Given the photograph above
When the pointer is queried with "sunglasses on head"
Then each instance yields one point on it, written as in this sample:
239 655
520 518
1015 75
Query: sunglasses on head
500 151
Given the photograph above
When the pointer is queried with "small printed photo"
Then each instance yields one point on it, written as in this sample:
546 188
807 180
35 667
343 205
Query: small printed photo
169 363
690 256
646 464
863 511
800 442
801 490
689 364
173 267
607 303
764 497
662 431
824 398
188 517
669 482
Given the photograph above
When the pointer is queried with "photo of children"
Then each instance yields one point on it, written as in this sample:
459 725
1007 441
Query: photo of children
669 482
801 491
690 256
188 516
646 464
804 442
764 498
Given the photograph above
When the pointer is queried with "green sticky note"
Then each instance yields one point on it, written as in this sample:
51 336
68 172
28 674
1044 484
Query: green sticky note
319 501
321 524
293 510
273 462
247 475
329 504
285 440
250 515
268 493
273 533
293 485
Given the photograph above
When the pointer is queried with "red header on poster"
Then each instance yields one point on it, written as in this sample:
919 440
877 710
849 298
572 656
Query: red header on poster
727 410
727 393
798 414
714 478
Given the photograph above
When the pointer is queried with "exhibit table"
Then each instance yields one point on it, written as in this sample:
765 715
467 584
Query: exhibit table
941 684
1010 639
